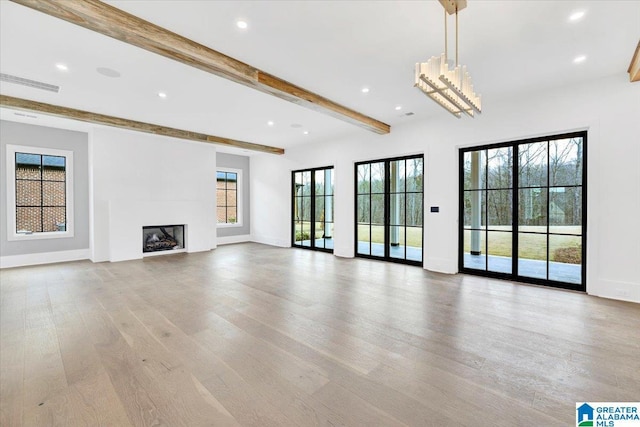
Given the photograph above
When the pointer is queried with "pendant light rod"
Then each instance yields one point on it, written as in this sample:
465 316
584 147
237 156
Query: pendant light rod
446 50
456 37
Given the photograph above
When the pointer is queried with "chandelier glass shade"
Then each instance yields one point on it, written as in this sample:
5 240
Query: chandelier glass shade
450 87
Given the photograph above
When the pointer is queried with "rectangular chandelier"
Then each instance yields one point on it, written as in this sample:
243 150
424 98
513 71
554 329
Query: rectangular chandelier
449 87
452 89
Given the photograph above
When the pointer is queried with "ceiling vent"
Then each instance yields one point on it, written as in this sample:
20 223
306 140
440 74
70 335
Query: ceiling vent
30 83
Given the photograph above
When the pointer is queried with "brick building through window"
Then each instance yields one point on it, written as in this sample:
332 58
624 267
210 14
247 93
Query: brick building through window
228 209
40 190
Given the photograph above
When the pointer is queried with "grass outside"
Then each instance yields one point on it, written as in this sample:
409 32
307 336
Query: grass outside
414 235
566 249
303 231
533 246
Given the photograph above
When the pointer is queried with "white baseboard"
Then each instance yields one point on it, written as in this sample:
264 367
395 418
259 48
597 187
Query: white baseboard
623 291
234 239
441 265
43 258
266 240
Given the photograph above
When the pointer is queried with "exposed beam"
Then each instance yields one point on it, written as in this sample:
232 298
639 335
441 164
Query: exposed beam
113 22
101 119
634 67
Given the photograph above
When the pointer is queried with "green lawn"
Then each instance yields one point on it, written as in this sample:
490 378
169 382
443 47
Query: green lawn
414 235
533 246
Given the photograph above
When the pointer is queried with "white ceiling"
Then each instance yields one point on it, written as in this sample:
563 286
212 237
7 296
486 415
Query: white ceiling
333 48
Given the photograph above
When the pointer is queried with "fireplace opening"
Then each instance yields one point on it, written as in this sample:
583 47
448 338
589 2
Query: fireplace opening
157 238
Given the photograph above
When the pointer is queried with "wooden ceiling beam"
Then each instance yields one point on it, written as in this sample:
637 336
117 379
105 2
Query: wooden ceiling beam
101 119
118 24
634 67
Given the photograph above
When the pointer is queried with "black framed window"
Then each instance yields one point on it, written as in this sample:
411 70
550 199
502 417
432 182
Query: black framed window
40 193
523 210
389 209
227 202
312 208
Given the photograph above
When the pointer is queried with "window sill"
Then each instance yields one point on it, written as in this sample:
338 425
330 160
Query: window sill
40 236
234 225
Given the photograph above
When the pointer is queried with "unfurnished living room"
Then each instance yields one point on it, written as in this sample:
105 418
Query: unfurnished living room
338 213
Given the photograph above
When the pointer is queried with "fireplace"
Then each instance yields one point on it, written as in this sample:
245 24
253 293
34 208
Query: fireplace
161 238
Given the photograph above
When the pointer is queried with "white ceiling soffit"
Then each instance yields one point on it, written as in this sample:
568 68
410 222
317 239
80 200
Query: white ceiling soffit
331 48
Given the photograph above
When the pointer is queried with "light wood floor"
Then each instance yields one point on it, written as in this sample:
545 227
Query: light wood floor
258 336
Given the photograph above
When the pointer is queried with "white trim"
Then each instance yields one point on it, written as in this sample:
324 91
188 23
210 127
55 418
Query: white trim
239 195
234 239
271 241
43 258
612 289
11 193
229 224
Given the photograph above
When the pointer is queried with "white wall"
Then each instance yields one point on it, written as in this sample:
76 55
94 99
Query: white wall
607 108
140 180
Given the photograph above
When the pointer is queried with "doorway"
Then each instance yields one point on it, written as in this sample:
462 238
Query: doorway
389 209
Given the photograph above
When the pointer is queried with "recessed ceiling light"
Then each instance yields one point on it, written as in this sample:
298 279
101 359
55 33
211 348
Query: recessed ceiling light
242 24
398 107
108 72
576 16
270 123
62 67
162 95
306 132
365 90
579 59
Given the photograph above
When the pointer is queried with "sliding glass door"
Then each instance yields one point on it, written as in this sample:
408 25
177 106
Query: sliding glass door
389 209
523 210
312 225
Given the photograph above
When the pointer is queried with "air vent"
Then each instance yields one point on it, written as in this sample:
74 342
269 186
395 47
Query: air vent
409 114
31 116
27 82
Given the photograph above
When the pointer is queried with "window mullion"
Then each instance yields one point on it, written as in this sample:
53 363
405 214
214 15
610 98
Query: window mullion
41 196
515 217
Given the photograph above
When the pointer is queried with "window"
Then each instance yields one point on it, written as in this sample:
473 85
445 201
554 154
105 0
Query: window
389 209
523 210
313 208
40 193
228 197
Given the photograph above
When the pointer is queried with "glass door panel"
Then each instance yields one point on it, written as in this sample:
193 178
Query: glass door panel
389 209
313 208
532 164
522 210
397 243
565 253
414 243
532 255
499 247
565 210
370 215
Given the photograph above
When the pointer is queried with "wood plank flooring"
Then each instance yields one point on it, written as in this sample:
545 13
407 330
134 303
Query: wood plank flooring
252 335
